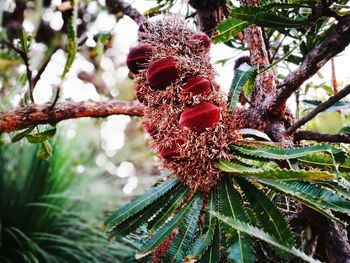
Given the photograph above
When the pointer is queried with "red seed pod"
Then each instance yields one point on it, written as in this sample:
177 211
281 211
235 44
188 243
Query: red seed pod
151 129
196 85
161 73
199 117
138 57
204 39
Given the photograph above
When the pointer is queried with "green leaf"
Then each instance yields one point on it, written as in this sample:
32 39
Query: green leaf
315 196
140 203
23 40
43 136
274 153
255 134
212 255
325 161
22 134
260 17
174 202
227 29
45 151
180 245
269 217
339 105
162 234
144 215
258 233
240 246
204 240
72 45
274 173
244 78
345 129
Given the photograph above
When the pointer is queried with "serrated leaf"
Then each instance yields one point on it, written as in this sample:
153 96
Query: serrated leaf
244 78
274 173
274 153
43 136
212 255
204 240
143 216
325 161
229 28
162 234
72 44
181 244
176 199
269 217
240 247
140 203
258 233
315 196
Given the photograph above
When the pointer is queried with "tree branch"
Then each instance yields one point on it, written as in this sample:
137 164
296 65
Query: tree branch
44 114
117 6
320 108
322 137
338 40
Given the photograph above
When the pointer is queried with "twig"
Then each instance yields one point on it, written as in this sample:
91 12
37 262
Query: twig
25 59
334 78
323 106
43 114
117 6
338 40
322 137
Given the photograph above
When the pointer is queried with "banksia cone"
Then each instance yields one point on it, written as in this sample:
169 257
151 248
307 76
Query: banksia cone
200 117
196 85
161 73
138 57
185 114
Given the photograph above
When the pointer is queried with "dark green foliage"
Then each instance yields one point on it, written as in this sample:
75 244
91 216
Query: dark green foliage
182 242
41 219
243 80
140 203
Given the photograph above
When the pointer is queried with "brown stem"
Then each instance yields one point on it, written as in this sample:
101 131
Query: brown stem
338 40
44 114
322 137
117 6
333 236
320 108
210 13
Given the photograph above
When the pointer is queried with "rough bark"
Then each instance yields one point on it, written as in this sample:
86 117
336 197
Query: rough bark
44 114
